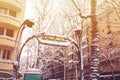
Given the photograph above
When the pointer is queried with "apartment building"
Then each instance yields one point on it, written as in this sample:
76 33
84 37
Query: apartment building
11 17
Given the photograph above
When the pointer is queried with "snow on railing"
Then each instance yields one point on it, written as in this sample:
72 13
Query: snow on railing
7 61
7 37
10 17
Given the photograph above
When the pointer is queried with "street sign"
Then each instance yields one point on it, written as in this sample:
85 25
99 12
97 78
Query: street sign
56 40
53 38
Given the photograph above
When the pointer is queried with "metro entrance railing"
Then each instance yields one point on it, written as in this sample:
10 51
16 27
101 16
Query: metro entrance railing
55 40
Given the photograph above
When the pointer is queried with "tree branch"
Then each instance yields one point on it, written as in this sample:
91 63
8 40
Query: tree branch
80 14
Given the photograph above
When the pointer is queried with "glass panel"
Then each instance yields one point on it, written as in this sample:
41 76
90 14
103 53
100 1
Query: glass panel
70 56
8 55
0 53
1 10
9 32
1 31
12 13
5 11
4 54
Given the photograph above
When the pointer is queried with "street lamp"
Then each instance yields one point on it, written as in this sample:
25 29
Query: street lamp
26 23
78 35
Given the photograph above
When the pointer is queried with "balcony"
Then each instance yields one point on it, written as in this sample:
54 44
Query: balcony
6 39
14 4
6 61
9 19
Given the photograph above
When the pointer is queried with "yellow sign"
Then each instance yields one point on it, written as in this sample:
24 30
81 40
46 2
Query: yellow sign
56 40
53 38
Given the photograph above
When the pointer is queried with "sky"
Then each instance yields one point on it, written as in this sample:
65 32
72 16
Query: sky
29 10
28 15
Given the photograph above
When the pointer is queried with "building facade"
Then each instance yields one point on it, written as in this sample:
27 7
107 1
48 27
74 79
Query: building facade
11 17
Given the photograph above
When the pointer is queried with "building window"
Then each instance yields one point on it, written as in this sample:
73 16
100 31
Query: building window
12 13
70 64
9 32
6 32
7 11
70 57
1 10
1 31
71 73
6 55
0 53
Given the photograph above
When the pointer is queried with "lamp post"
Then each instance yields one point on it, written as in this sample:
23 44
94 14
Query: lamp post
78 34
64 68
27 23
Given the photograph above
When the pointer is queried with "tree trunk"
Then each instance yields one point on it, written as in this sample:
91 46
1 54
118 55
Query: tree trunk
95 64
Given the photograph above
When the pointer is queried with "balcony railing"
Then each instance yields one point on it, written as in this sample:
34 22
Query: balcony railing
18 4
9 19
6 61
7 37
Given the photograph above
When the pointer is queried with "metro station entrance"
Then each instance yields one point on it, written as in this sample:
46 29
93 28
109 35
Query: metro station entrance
55 68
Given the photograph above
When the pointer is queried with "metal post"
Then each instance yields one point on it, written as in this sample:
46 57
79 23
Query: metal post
16 48
82 65
76 73
64 71
78 34
80 46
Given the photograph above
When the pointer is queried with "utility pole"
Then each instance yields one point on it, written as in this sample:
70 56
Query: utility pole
95 63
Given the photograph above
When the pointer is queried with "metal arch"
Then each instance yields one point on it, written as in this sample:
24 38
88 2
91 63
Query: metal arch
24 45
42 34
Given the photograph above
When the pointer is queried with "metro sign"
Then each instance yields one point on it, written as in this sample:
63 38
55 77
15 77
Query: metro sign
53 38
56 40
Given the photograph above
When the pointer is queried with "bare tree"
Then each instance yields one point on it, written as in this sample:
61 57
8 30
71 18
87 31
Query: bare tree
39 55
111 6
42 18
66 20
